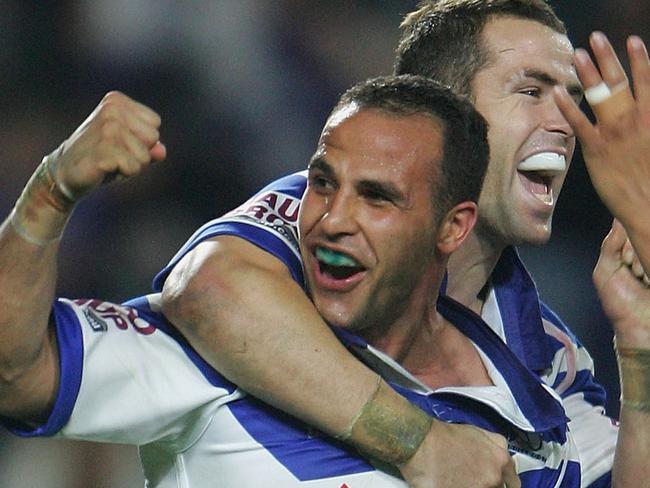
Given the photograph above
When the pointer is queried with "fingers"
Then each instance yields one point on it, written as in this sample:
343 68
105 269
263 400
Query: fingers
509 470
610 257
615 239
640 66
606 88
510 476
609 66
119 138
582 126
158 151
128 136
136 117
631 260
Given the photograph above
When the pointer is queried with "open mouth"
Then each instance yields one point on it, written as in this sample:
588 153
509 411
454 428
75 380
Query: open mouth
537 172
336 265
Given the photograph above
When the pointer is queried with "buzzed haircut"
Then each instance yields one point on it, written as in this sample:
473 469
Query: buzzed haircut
465 146
442 39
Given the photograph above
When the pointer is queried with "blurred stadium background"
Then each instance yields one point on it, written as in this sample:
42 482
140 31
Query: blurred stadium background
243 87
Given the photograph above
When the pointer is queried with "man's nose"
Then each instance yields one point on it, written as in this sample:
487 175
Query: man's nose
340 217
554 121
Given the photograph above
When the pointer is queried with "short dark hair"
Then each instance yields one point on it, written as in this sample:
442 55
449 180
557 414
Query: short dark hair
465 147
443 39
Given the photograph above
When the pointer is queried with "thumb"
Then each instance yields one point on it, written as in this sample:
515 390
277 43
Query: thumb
615 240
610 258
158 152
497 439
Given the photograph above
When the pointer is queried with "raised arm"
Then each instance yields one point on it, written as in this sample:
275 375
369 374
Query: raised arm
626 300
240 308
120 137
617 148
617 154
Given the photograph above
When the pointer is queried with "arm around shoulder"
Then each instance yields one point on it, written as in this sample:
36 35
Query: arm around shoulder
240 308
243 312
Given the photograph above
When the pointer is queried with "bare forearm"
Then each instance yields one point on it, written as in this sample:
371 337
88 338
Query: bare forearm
257 327
632 449
242 311
28 246
120 137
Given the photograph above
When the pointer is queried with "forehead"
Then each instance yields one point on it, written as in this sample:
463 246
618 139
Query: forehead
516 45
376 138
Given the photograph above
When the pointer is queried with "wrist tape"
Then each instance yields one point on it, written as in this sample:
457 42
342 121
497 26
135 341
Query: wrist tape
634 368
388 427
41 195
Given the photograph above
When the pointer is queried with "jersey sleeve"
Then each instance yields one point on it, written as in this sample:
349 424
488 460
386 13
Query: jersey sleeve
123 378
572 377
268 220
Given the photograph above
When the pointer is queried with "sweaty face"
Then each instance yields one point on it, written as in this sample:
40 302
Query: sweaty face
531 144
367 233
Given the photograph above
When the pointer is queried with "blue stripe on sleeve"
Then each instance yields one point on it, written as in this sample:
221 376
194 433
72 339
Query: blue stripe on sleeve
262 238
70 343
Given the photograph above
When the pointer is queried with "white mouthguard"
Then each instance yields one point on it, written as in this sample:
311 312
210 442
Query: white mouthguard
547 161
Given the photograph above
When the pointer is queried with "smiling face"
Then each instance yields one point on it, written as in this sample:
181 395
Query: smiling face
531 144
367 221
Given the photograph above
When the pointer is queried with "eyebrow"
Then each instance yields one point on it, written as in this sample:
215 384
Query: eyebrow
318 163
384 188
574 89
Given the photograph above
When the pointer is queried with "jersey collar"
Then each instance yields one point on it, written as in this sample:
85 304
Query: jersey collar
529 402
519 307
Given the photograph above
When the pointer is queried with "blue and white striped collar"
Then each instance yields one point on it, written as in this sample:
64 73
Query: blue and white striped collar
519 310
520 397
519 307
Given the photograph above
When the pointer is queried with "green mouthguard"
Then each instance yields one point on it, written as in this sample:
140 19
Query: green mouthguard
333 258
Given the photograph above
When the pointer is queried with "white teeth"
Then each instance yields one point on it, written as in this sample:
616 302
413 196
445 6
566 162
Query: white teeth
547 198
547 161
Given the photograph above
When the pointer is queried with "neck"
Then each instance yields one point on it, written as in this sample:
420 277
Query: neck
398 337
470 268
442 356
430 347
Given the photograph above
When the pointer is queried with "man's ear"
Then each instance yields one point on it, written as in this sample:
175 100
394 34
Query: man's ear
456 226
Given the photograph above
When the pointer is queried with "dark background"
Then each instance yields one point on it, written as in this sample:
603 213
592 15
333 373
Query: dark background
243 87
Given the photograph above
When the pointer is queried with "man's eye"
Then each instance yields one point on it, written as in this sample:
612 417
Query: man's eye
531 92
376 196
320 182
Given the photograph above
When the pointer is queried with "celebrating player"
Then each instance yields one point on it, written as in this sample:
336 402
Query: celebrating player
506 56
616 152
398 156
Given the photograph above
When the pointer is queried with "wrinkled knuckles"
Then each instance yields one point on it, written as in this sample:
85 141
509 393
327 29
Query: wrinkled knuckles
128 167
151 138
110 109
142 158
114 96
110 130
156 120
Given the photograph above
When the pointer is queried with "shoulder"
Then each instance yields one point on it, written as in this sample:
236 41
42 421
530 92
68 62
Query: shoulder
268 220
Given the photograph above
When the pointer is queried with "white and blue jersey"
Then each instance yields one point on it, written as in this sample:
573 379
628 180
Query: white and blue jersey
512 309
547 347
127 376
